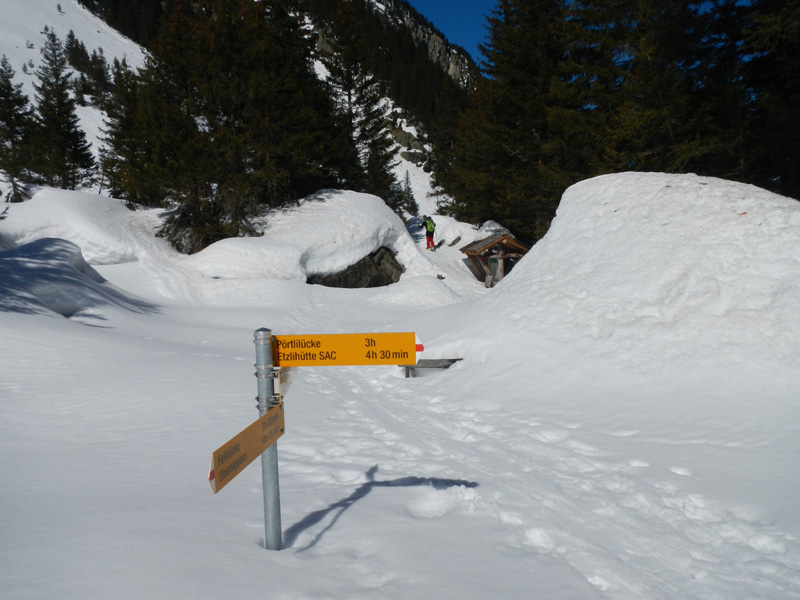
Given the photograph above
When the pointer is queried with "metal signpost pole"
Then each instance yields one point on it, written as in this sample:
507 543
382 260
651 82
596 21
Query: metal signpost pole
273 536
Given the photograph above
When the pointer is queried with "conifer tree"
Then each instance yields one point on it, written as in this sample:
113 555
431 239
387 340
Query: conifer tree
715 141
653 99
671 97
137 148
99 77
62 155
407 201
773 72
509 164
76 53
93 79
15 129
358 99
575 89
235 117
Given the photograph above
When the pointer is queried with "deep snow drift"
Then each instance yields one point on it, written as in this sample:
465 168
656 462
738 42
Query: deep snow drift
623 424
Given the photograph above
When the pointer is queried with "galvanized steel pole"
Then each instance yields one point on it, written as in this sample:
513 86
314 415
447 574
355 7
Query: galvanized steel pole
273 536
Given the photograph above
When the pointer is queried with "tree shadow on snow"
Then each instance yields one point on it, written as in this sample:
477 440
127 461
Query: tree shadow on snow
415 229
290 535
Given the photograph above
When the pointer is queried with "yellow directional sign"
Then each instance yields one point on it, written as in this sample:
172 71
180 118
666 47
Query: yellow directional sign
345 349
231 458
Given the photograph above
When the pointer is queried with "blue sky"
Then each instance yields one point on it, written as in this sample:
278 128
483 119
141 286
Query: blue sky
461 21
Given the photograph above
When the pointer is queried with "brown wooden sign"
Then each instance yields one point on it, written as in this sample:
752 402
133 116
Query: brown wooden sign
231 458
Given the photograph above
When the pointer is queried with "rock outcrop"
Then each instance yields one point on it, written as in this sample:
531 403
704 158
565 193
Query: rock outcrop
378 269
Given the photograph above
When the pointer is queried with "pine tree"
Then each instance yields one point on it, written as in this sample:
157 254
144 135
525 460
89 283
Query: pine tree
99 76
653 98
137 19
137 151
358 98
63 156
235 120
510 164
15 129
76 53
773 75
407 202
715 140
575 89
672 97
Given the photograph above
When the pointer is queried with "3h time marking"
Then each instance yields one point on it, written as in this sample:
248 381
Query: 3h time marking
383 354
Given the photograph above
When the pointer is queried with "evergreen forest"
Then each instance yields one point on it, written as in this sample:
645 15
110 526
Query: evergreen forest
574 89
229 117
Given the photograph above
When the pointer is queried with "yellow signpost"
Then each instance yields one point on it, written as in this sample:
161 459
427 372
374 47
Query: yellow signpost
275 355
231 458
344 349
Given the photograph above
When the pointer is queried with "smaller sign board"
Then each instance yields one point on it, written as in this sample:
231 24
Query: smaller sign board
285 379
338 349
231 458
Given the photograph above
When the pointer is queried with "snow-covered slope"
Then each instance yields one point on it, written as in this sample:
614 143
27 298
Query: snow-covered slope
324 234
25 23
623 424
22 35
646 268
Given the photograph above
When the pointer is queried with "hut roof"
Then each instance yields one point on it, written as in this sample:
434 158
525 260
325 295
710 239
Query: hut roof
508 241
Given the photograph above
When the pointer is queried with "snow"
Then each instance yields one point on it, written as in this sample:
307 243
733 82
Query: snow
623 423
325 234
99 226
23 34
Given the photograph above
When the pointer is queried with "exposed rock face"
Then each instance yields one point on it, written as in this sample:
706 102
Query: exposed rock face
415 152
407 140
378 269
453 60
418 158
450 59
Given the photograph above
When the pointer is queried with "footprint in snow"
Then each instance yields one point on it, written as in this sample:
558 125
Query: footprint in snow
681 471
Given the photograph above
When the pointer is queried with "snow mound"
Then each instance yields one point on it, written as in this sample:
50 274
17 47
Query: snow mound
449 231
99 225
324 234
648 266
51 276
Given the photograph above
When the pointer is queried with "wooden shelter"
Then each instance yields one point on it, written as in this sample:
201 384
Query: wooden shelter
491 258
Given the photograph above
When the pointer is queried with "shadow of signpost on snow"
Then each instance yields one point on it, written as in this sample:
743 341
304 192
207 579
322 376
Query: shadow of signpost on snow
293 532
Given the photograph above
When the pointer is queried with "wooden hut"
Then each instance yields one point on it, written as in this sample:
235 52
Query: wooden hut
490 259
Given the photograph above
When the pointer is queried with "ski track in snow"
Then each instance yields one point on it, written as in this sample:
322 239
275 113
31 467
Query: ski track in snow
398 488
703 550
158 261
486 476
